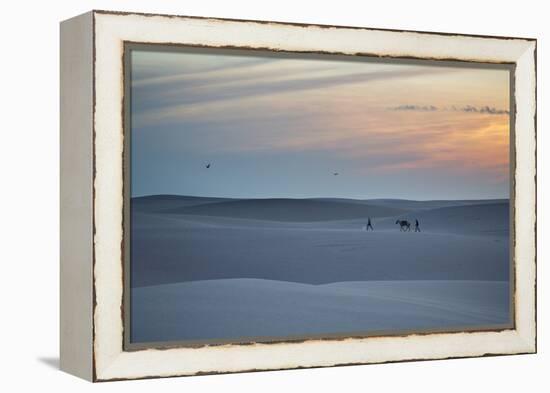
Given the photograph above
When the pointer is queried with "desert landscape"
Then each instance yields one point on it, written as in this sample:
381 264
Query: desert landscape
233 269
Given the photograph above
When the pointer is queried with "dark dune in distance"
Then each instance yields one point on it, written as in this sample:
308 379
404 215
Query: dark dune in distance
484 218
299 210
155 203
486 213
317 209
434 204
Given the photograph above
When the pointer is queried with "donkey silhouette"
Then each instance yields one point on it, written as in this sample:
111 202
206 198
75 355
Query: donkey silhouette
404 225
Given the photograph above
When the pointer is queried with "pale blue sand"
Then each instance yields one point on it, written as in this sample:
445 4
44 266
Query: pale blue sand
236 308
212 268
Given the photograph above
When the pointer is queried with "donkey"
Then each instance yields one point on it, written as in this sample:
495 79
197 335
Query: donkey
404 225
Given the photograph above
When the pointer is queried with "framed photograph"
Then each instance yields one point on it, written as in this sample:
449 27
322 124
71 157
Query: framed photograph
246 195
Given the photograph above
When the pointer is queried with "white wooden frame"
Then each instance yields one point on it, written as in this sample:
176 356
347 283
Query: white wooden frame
92 195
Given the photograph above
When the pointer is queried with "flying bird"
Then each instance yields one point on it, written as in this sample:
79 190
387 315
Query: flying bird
335 173
207 165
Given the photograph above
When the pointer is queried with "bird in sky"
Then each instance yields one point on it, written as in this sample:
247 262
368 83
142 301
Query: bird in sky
335 173
208 166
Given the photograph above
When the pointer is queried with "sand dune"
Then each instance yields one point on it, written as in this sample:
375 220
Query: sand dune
222 309
287 210
159 203
435 204
190 248
217 268
482 219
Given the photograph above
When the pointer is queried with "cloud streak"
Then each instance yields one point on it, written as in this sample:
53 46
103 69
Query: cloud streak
209 98
489 110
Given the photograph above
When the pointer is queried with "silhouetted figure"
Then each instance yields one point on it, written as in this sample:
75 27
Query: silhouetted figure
416 226
208 166
335 173
369 225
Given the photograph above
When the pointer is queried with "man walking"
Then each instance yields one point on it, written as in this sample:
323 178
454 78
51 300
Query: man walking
416 225
369 225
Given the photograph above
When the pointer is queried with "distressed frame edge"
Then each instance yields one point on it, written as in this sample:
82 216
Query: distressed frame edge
527 340
526 183
305 25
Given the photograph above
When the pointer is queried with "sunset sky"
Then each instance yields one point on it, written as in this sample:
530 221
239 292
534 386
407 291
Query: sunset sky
275 126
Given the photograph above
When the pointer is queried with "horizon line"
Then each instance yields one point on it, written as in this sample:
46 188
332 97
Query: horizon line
317 197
